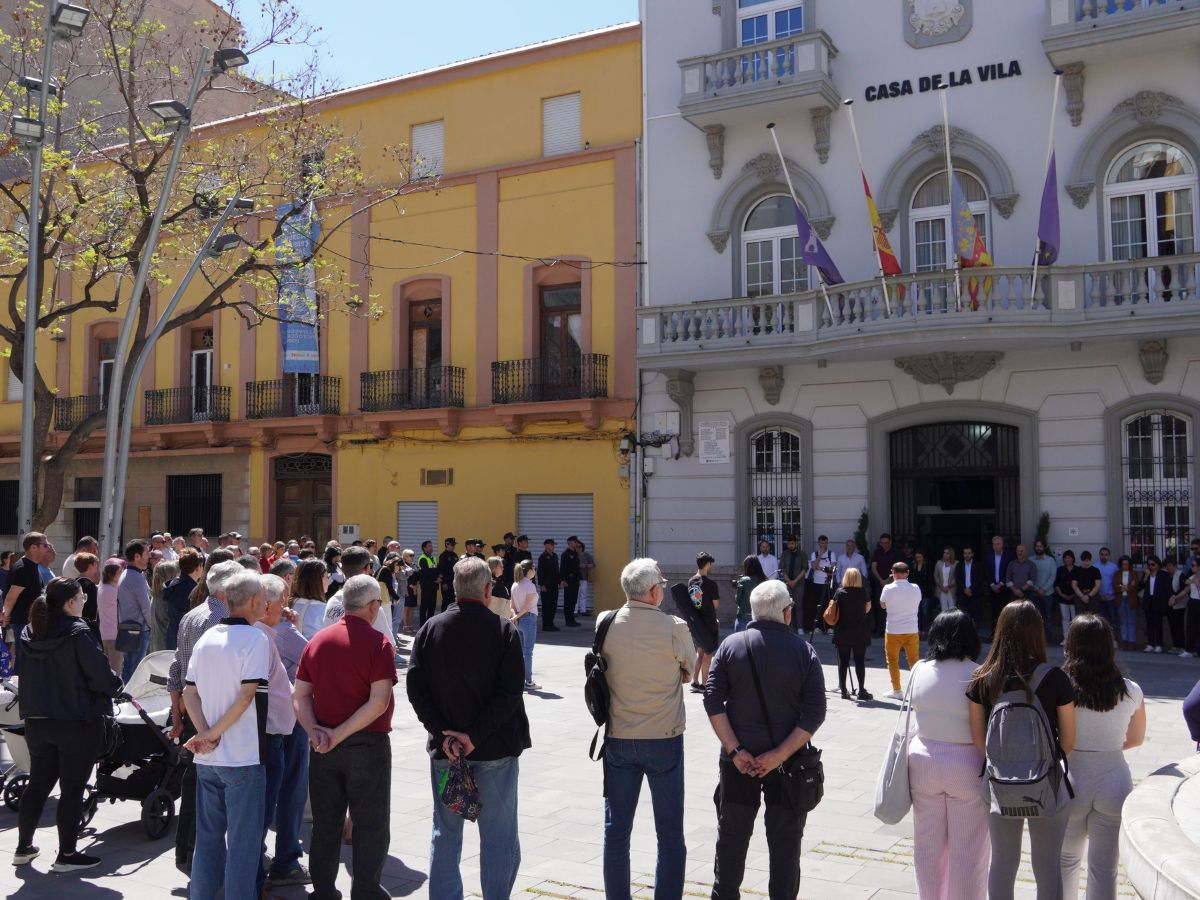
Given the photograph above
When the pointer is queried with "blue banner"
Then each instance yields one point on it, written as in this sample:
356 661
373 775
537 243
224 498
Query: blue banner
298 289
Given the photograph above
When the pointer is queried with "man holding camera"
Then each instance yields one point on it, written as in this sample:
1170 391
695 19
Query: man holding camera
821 567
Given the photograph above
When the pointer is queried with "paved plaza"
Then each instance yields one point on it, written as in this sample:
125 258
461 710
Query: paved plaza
847 852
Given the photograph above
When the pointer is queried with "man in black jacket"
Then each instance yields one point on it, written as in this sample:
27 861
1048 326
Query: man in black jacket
569 571
522 551
548 580
465 682
427 579
1156 601
446 561
971 585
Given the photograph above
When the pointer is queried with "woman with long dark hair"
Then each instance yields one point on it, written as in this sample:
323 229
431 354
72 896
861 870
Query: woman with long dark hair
950 821
1017 661
66 690
1110 718
333 566
752 577
852 633
309 586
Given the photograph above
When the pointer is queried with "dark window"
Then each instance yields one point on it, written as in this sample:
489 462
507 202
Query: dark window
194 501
87 522
9 500
561 333
87 489
425 334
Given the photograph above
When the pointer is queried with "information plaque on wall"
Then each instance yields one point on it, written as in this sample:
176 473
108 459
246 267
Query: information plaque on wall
714 442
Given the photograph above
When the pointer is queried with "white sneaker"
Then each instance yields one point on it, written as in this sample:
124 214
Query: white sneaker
1183 654
1158 650
894 695
1147 649
532 686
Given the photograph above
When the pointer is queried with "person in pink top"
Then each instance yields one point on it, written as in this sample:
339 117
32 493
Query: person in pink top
524 614
106 608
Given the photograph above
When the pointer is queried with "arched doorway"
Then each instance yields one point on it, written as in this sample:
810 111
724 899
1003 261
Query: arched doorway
955 484
304 497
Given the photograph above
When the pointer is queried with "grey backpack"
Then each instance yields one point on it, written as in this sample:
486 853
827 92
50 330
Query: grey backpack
1024 768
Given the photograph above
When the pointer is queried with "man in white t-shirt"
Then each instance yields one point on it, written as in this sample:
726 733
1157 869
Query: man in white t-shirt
226 698
357 561
902 600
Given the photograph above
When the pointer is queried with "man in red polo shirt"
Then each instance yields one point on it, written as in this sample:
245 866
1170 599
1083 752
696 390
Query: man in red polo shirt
343 698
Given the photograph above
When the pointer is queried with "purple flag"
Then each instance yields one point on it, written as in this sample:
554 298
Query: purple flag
1048 229
812 251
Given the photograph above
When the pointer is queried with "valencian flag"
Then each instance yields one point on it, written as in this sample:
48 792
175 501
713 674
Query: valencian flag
968 242
1048 229
888 264
813 252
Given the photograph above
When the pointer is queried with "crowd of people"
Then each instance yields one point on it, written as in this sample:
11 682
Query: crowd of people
285 663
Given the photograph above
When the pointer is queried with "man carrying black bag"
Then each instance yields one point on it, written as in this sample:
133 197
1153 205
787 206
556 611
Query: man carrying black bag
765 697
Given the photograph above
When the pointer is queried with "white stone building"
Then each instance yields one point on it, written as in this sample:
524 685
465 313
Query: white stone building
946 423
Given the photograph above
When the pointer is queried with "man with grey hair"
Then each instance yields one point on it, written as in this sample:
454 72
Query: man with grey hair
357 561
343 699
765 698
649 655
227 700
466 680
192 626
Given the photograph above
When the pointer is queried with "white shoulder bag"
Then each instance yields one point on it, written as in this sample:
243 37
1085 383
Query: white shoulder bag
893 799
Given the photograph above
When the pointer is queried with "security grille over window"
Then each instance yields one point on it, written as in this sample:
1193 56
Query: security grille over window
417 522
194 501
304 465
776 487
1156 467
9 499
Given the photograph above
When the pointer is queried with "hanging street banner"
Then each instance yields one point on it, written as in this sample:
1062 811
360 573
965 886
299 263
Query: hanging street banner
298 289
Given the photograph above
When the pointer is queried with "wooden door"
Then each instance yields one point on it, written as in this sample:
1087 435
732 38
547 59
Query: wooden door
304 506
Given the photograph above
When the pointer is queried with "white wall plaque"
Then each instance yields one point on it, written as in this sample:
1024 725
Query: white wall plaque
714 442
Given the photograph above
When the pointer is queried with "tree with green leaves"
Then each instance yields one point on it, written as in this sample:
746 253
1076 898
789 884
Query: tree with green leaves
104 166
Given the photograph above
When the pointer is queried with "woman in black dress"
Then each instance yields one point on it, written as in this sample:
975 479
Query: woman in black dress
920 573
852 633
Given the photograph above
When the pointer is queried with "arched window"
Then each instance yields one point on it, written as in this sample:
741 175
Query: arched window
931 235
771 250
776 487
1150 195
1157 475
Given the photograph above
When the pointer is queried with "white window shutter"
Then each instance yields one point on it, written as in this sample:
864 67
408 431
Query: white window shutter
416 522
14 388
429 149
560 125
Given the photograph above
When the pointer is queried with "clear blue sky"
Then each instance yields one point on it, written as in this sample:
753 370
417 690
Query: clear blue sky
368 40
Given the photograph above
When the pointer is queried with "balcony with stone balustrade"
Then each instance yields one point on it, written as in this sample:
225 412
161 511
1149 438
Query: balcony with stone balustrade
993 309
1085 32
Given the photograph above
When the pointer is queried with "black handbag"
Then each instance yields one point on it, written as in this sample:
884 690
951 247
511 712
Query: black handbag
802 774
129 637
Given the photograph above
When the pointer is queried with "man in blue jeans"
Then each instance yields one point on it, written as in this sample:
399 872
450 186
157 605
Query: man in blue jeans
649 654
466 680
226 698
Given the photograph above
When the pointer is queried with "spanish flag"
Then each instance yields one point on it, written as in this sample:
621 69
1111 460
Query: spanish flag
888 264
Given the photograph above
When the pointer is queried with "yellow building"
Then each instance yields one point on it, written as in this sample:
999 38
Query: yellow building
472 393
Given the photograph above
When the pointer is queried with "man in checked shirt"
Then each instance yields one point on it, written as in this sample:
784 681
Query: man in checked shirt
193 624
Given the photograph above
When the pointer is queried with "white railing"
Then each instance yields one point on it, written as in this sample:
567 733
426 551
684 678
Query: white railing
976 297
796 58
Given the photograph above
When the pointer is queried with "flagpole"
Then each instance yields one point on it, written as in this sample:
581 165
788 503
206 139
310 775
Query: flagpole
787 176
1058 77
950 192
849 104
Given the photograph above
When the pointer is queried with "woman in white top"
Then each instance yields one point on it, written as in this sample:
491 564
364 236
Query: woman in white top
1110 718
950 823
945 580
524 602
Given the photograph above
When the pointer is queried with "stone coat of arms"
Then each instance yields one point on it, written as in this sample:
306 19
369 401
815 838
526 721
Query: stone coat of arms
930 22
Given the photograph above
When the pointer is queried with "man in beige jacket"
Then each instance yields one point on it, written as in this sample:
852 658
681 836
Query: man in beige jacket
649 657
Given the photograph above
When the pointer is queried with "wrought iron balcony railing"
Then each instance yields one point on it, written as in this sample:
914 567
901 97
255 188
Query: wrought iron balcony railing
179 406
70 411
294 395
540 380
398 389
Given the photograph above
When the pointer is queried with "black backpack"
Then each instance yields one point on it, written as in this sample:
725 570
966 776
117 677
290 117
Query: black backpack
595 685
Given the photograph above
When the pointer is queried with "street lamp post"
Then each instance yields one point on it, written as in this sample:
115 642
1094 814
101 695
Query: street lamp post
178 116
65 21
214 245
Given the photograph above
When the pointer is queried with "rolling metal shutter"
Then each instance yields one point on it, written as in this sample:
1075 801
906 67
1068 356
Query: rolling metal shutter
555 516
428 149
560 126
417 521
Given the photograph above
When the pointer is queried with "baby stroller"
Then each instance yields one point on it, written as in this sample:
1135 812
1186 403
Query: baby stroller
141 763
12 728
138 761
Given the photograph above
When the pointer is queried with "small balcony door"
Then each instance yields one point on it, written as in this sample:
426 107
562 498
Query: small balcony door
425 351
106 352
561 339
202 366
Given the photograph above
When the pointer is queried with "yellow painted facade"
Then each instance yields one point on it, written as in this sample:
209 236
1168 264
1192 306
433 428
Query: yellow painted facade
498 192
